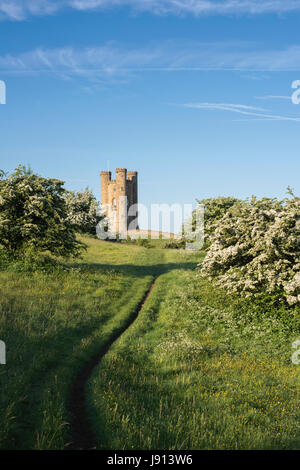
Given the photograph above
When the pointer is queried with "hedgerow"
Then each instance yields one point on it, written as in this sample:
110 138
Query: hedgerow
255 248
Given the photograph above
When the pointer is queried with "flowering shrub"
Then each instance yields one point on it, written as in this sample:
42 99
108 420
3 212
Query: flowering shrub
255 249
33 215
214 210
82 211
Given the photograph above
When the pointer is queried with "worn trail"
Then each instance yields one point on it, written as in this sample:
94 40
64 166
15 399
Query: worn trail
81 433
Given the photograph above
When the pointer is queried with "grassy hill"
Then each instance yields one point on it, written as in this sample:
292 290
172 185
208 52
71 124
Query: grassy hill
197 369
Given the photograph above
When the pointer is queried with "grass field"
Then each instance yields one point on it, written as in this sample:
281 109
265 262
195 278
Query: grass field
199 370
52 323
196 370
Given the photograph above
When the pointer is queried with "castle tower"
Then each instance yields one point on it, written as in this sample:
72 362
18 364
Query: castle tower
118 197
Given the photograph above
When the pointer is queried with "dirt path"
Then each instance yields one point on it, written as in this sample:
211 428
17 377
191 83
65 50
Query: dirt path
81 432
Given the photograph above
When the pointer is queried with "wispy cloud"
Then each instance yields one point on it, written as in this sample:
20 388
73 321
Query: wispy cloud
195 7
255 112
273 97
20 9
112 60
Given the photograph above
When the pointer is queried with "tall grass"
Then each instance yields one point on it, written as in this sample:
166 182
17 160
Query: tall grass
199 370
52 323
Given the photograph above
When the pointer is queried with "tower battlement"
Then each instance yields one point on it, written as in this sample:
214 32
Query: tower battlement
113 194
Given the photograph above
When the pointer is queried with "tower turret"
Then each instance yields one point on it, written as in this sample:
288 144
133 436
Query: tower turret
105 179
117 196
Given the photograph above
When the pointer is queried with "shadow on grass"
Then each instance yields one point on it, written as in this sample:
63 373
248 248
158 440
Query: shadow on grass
138 270
42 356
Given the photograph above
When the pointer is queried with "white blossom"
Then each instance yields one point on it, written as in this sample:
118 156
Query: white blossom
256 248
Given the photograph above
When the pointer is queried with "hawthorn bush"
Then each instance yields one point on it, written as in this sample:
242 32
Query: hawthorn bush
214 209
255 249
82 211
33 216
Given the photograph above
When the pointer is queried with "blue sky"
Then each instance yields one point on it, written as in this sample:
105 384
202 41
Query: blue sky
195 95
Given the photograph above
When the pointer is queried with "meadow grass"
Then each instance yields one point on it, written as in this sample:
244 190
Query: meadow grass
52 323
199 369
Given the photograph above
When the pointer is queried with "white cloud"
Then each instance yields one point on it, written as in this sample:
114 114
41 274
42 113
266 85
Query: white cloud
114 60
274 97
21 9
254 112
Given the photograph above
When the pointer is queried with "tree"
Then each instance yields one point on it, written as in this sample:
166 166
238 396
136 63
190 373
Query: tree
255 249
214 210
82 211
33 215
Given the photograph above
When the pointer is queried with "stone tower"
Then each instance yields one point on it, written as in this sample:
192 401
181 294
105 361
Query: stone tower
118 199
